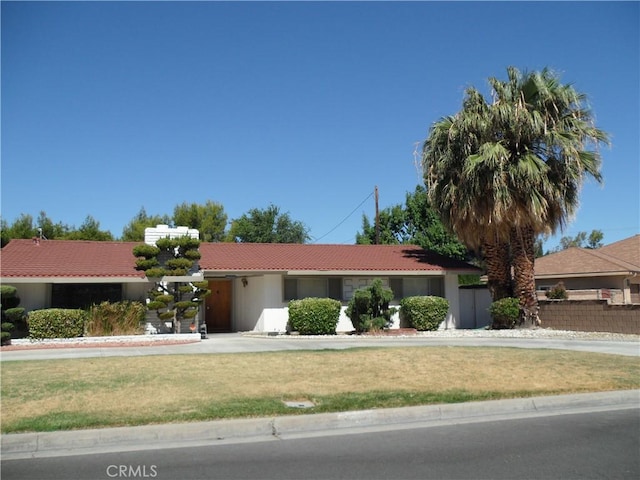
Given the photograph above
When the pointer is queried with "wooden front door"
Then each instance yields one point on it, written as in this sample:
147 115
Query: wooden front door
218 306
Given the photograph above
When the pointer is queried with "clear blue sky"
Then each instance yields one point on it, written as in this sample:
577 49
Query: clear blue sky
111 106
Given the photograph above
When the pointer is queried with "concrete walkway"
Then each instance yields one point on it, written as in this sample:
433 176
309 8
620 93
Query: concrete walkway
239 343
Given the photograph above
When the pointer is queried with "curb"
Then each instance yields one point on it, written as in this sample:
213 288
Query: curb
98 341
78 442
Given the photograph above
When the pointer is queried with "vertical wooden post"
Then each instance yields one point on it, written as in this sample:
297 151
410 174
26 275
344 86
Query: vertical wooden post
377 217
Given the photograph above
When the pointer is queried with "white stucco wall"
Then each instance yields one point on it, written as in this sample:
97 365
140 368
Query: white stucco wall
258 306
33 296
451 293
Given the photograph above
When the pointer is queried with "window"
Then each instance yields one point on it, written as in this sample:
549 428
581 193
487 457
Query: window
416 286
305 287
342 288
83 295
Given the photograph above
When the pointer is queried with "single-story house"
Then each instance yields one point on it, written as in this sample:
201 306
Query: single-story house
251 284
610 272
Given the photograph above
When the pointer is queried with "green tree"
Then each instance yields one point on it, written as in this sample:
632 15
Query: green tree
501 174
267 226
22 227
172 257
134 230
12 315
89 230
4 233
369 308
209 219
25 227
50 230
415 223
581 240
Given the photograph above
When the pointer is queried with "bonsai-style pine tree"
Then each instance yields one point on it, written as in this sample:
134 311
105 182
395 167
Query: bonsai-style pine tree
11 313
172 257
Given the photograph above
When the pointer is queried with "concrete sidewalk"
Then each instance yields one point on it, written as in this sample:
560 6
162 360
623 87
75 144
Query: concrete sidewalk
82 442
240 343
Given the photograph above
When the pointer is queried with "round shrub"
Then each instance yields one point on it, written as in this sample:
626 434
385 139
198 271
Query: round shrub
56 323
369 308
9 296
146 251
314 316
505 313
424 313
557 292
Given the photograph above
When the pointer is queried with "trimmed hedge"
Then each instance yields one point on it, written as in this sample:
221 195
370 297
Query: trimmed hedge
424 313
314 316
505 313
56 323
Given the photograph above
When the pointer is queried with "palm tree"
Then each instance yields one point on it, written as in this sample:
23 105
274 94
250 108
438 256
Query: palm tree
500 174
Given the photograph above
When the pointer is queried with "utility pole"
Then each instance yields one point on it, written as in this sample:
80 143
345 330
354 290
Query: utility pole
377 217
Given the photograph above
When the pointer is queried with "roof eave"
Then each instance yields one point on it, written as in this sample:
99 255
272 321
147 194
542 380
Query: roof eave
346 272
619 273
73 279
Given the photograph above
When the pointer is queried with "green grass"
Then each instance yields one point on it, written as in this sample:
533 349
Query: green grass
107 392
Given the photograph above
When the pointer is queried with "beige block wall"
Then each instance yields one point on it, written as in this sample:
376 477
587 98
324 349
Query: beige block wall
590 316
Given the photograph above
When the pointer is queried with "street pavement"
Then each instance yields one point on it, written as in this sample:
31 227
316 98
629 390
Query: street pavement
31 445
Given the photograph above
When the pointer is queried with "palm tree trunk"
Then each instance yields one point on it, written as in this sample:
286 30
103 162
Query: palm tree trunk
523 245
497 259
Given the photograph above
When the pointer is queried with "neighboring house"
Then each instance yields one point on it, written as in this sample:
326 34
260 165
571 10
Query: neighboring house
251 284
610 272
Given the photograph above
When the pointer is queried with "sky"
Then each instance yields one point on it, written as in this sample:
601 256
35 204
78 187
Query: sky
108 107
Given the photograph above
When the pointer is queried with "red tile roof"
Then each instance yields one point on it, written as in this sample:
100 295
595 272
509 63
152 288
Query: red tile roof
311 257
618 258
67 258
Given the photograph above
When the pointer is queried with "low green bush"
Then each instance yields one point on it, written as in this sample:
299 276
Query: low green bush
369 308
314 316
56 323
118 318
505 313
424 313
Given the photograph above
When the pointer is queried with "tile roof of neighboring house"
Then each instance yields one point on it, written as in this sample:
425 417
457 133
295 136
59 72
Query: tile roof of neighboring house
619 258
311 257
67 258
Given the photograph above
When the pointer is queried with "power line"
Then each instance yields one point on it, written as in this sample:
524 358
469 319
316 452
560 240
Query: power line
344 219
